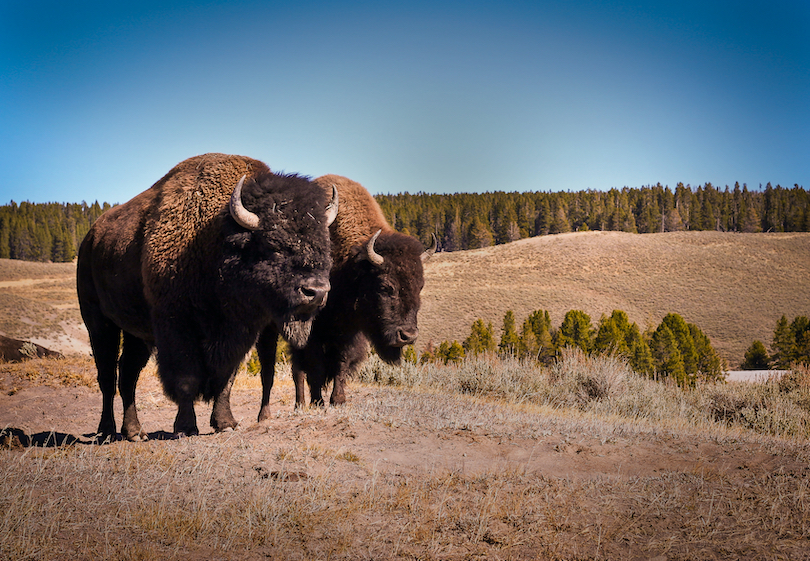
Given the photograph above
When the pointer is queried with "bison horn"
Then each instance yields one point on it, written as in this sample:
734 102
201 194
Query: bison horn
243 216
332 207
430 251
373 256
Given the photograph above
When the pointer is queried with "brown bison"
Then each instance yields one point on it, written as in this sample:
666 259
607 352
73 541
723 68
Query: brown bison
216 252
376 280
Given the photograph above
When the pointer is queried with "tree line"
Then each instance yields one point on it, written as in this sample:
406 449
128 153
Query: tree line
45 232
790 346
675 350
469 221
53 231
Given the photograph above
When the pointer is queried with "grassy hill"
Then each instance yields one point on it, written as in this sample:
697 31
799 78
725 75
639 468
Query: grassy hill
733 286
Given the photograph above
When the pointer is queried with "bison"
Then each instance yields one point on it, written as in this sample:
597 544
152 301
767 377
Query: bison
217 251
376 280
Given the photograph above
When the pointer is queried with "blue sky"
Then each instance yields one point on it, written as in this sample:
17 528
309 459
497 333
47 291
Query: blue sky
98 100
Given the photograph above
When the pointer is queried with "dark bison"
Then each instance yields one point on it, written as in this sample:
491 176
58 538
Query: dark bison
216 252
376 280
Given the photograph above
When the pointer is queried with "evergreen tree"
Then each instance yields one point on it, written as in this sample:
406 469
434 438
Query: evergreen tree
641 358
667 357
800 327
784 344
576 331
540 322
709 364
450 352
510 341
481 339
528 347
480 235
756 357
613 334
686 345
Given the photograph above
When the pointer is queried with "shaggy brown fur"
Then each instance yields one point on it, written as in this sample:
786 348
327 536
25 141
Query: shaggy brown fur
174 270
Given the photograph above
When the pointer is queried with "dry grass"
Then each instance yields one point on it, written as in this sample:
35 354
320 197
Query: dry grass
63 372
38 303
234 496
733 286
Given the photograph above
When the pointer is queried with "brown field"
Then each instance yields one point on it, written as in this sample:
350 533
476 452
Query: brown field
488 460
733 286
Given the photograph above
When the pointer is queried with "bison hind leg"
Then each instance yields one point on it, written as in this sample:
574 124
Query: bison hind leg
105 340
134 357
222 418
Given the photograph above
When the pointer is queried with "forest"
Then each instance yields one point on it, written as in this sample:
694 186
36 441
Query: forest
470 221
53 231
45 232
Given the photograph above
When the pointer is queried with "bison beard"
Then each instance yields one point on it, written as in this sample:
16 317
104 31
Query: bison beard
296 331
217 252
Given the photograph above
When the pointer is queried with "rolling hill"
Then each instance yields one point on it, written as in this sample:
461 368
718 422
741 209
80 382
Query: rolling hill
733 286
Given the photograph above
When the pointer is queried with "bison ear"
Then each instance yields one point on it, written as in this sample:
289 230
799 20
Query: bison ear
332 207
243 216
371 254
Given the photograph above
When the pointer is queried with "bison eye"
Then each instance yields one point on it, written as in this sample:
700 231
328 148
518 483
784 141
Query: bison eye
388 289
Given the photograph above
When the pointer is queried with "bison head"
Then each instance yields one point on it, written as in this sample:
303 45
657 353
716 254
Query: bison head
278 250
392 279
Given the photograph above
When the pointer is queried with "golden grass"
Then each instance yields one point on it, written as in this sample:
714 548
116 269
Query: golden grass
224 497
733 286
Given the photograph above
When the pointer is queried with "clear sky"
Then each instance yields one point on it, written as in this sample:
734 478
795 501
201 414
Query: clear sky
98 100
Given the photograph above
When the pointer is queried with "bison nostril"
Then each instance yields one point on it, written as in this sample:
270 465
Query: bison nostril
407 336
314 294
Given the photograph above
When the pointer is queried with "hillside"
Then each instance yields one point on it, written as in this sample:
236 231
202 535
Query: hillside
733 286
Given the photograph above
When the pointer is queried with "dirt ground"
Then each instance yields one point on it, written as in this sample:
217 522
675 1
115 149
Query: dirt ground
380 430
624 491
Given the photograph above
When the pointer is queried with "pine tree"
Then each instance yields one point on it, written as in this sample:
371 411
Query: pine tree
667 357
529 346
784 344
686 345
709 364
576 331
800 327
641 359
480 340
756 357
510 341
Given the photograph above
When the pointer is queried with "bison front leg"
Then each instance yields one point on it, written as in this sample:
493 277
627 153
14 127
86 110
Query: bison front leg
266 349
346 365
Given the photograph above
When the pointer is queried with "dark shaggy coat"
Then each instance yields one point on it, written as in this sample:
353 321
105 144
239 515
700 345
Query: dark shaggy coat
172 270
369 303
